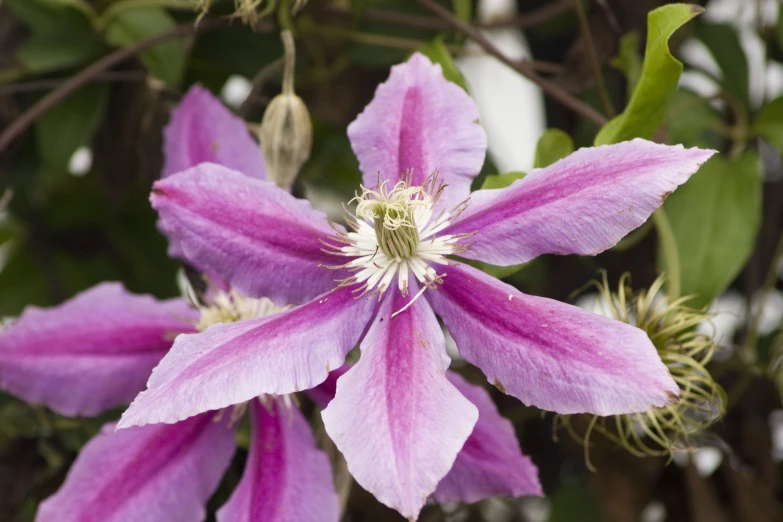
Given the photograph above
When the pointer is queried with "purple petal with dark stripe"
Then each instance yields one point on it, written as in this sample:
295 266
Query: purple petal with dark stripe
419 120
490 462
92 352
253 234
396 418
232 363
160 473
202 130
286 478
583 204
549 354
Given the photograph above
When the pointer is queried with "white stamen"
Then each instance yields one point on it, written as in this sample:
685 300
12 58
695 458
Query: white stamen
394 233
231 306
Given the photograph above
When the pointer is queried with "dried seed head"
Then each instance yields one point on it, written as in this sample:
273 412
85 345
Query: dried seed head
286 134
250 12
671 327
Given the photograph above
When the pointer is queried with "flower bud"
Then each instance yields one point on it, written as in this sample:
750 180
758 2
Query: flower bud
286 134
671 326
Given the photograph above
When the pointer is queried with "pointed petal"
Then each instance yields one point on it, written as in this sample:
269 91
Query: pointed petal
396 418
202 129
92 352
255 235
491 462
323 394
583 204
233 363
160 473
286 478
549 354
419 120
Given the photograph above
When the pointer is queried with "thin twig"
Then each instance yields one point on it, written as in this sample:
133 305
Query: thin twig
596 66
523 21
258 85
750 346
522 68
19 125
51 83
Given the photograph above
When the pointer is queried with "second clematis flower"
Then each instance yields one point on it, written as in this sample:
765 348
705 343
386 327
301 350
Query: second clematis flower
396 417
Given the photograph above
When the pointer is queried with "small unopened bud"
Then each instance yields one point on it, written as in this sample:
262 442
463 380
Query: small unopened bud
286 134
671 326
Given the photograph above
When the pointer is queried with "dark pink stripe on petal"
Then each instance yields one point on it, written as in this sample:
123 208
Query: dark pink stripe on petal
160 473
490 462
286 478
256 236
397 419
419 120
202 129
92 352
582 204
233 363
549 354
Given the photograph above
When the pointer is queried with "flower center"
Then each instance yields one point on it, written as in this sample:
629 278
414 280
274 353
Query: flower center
231 306
395 233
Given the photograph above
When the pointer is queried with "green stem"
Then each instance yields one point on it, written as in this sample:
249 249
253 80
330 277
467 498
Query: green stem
11 74
284 16
85 8
749 352
671 254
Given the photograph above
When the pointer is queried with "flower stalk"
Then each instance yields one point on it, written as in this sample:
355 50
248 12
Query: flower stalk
286 133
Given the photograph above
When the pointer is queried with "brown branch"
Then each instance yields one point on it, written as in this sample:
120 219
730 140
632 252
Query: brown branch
523 21
594 64
51 83
19 125
523 68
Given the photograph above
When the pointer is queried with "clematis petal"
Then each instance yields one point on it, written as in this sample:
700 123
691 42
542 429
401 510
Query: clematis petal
92 352
419 120
160 473
323 394
396 418
258 237
286 478
583 204
233 363
490 463
549 354
202 129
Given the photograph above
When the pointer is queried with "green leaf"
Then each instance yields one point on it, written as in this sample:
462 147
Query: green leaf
692 121
437 52
574 501
60 38
166 60
552 146
57 51
769 123
70 124
628 61
715 217
660 73
724 45
497 181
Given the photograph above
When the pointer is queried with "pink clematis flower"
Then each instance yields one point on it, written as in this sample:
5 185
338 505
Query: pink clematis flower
396 416
96 351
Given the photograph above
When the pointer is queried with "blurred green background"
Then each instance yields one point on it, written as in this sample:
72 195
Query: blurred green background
77 178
